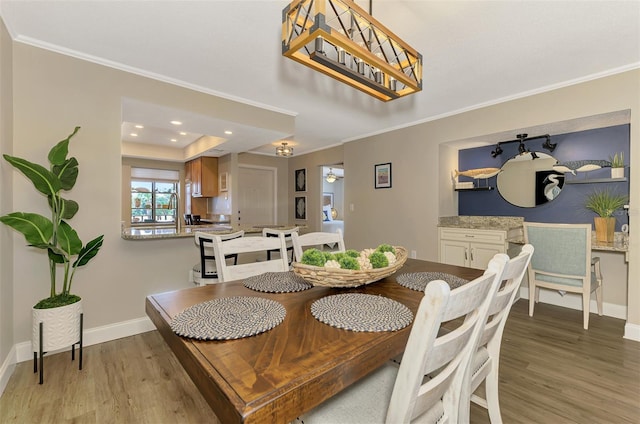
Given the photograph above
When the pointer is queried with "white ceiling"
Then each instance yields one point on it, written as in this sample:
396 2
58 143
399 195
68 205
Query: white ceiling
475 53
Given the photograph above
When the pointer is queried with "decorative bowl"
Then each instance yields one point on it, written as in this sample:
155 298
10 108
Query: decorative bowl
337 277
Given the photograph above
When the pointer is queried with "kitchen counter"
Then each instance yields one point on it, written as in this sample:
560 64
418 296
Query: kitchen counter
504 223
164 232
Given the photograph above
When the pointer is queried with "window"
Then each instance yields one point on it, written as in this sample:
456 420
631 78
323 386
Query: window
152 196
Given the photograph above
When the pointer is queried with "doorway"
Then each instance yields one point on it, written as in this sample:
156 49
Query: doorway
257 195
332 198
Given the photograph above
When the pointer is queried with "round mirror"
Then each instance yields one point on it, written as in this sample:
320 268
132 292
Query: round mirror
528 180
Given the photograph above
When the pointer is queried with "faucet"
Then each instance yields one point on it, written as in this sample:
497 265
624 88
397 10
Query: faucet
174 203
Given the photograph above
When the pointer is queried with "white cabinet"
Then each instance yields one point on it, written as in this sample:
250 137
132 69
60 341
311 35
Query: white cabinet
470 247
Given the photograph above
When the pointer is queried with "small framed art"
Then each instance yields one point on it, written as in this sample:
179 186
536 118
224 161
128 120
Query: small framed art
382 175
301 207
301 179
223 183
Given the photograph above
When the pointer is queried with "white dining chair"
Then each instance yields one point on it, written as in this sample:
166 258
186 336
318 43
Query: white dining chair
274 232
205 271
484 364
562 261
402 394
318 240
253 244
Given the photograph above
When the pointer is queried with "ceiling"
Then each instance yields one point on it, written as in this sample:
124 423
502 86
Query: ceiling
475 53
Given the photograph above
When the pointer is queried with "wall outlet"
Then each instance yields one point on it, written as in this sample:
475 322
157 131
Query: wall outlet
351 207
413 254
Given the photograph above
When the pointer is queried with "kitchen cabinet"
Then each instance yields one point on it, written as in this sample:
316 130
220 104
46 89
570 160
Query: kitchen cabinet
470 247
202 174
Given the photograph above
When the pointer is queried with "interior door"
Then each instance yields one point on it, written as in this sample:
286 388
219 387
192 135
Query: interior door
256 196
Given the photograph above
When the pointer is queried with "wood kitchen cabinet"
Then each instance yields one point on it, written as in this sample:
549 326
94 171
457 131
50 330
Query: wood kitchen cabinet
470 247
202 174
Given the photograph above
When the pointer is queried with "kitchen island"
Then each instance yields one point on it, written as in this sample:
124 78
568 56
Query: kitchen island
163 232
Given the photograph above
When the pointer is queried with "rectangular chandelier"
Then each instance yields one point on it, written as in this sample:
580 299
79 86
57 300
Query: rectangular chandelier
340 39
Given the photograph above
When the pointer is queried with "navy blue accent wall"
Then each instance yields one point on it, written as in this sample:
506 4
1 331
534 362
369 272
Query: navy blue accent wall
568 207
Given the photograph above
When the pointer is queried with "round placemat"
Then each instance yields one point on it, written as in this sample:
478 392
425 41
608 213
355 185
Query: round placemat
228 318
419 280
277 282
361 312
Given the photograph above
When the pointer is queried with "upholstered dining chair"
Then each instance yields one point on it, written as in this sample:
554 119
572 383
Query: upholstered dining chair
228 272
205 272
318 239
485 361
401 394
273 232
562 261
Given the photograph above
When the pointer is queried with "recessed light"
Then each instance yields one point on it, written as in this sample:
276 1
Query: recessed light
183 133
176 122
133 135
173 140
228 132
140 126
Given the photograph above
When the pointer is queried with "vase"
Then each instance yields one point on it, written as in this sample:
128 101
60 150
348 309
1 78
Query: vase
617 172
604 229
61 327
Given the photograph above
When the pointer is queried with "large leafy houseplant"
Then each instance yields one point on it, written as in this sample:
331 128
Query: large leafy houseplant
604 203
61 241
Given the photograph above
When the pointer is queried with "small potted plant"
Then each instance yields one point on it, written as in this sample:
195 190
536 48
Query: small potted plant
61 310
617 165
604 203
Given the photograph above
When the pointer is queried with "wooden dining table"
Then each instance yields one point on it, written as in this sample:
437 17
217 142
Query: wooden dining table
275 376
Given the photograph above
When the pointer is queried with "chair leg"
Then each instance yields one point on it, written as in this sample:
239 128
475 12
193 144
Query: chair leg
585 310
491 394
599 297
532 290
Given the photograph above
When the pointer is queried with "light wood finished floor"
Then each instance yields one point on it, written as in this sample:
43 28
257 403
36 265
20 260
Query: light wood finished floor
552 372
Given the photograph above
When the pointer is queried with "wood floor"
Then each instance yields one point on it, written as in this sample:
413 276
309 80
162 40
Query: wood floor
552 372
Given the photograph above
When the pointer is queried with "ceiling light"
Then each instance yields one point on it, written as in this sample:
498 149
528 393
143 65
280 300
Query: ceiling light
284 150
497 151
343 41
176 122
549 145
331 177
173 140
133 135
227 132
183 133
139 126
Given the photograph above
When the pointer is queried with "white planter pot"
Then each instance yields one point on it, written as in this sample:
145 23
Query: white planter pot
617 172
61 327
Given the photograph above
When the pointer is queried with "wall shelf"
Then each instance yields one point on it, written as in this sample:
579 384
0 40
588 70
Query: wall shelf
595 180
474 189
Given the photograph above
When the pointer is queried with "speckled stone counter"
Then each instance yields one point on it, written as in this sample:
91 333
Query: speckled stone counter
154 233
505 223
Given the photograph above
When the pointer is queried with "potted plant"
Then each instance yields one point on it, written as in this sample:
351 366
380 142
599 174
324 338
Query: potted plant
604 203
60 311
617 165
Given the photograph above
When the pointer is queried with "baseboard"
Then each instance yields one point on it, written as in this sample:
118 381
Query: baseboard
632 332
7 368
95 335
574 301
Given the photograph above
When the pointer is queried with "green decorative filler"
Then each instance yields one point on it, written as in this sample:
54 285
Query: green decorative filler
381 257
61 241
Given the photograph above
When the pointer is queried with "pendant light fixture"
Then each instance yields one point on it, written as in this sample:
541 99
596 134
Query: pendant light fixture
284 150
342 40
331 177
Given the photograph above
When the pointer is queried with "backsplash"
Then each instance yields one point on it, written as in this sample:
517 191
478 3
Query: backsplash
568 207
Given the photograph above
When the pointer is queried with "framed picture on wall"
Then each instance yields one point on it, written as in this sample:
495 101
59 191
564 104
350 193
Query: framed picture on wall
223 183
327 199
301 207
301 179
382 175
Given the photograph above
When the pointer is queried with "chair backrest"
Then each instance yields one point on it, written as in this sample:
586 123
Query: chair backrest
560 249
204 241
316 239
444 357
252 244
274 232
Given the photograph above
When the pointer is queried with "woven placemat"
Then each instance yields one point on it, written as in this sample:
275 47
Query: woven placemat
361 312
419 280
228 318
277 282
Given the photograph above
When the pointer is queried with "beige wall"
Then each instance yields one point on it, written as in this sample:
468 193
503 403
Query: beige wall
52 94
6 201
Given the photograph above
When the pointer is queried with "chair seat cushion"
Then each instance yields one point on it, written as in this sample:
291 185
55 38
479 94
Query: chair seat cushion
575 282
365 402
210 269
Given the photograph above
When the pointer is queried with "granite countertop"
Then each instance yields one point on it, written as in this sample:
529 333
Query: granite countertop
505 223
164 232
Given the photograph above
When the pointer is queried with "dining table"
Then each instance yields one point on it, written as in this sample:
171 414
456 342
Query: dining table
277 375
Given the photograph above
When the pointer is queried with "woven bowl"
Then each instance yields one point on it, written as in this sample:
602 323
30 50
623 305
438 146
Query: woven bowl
337 277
